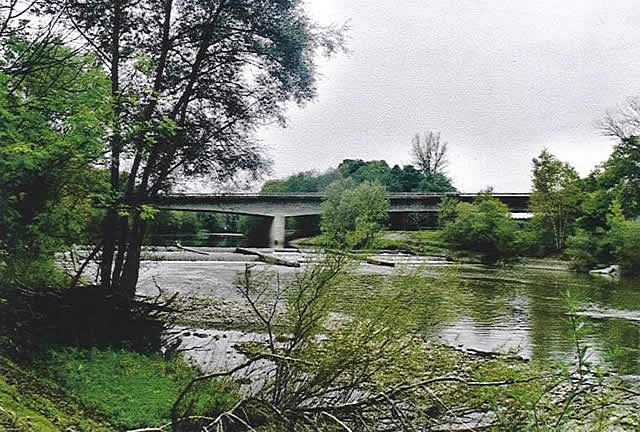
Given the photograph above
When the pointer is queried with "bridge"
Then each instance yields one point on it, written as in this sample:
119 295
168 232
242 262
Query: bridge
279 206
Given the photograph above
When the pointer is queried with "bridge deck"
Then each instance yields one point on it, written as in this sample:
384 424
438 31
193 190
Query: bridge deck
278 206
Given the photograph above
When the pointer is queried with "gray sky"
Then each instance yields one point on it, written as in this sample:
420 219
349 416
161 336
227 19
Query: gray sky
501 80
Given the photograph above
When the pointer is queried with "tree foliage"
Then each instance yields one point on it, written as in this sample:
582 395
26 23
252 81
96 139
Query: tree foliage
353 215
308 181
51 132
485 226
394 179
556 196
190 82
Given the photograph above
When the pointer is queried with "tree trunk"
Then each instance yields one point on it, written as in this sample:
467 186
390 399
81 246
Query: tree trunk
111 219
131 269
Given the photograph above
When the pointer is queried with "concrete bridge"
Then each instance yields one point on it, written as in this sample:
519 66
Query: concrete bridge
279 206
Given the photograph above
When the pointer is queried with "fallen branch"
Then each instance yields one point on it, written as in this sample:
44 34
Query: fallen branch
268 259
179 246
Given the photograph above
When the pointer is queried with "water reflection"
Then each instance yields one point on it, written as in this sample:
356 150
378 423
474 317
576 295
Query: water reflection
525 310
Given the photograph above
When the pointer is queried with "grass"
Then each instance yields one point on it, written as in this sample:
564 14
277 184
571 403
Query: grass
419 242
29 403
422 242
132 390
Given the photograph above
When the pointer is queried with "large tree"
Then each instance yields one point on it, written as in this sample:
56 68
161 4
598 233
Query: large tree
556 197
190 82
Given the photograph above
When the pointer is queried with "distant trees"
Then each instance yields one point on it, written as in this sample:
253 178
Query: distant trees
396 179
430 157
308 181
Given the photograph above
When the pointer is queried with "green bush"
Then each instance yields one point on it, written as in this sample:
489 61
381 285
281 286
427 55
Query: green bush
585 250
485 227
353 216
133 390
447 210
625 238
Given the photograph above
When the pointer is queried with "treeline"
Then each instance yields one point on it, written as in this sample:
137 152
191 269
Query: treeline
397 179
593 221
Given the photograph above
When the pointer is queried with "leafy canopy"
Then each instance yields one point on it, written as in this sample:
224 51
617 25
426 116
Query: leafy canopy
353 215
51 134
485 226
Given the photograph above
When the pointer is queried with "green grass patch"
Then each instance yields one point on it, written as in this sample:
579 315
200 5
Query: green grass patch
420 242
29 403
133 390
417 241
316 241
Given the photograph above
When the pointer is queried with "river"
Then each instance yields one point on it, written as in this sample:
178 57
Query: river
517 308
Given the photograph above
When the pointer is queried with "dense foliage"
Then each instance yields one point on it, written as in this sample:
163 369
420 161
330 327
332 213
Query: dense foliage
353 215
396 179
51 132
607 218
484 226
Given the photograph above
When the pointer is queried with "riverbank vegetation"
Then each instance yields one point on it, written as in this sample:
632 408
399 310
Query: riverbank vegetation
592 221
91 131
374 367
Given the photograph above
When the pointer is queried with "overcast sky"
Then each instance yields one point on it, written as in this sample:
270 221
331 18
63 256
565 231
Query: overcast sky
500 79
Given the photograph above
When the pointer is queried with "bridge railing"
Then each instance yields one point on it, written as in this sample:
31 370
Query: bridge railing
322 195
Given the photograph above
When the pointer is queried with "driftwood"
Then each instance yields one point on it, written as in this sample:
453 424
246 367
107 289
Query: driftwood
179 246
366 259
267 258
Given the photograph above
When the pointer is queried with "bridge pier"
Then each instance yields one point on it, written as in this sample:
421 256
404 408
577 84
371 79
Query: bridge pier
277 231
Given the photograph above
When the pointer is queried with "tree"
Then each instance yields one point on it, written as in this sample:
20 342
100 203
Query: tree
353 215
437 182
348 167
51 133
621 174
429 153
556 196
18 25
190 82
484 226
308 181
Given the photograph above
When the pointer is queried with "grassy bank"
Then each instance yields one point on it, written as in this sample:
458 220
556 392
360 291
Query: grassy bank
100 390
431 243
418 242
29 402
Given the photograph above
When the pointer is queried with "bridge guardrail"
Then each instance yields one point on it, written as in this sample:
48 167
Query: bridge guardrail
322 195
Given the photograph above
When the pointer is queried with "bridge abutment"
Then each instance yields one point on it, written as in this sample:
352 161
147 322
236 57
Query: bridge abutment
277 231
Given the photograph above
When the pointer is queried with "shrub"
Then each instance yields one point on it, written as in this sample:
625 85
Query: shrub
353 216
447 210
583 248
485 227
625 238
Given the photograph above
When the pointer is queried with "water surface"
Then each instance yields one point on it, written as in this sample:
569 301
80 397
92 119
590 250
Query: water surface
526 310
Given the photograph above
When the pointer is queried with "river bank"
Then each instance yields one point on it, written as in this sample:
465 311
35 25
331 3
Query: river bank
493 319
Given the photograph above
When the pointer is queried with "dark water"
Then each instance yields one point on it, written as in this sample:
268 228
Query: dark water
526 311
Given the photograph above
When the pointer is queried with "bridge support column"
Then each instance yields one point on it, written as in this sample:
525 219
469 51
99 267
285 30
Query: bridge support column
276 232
